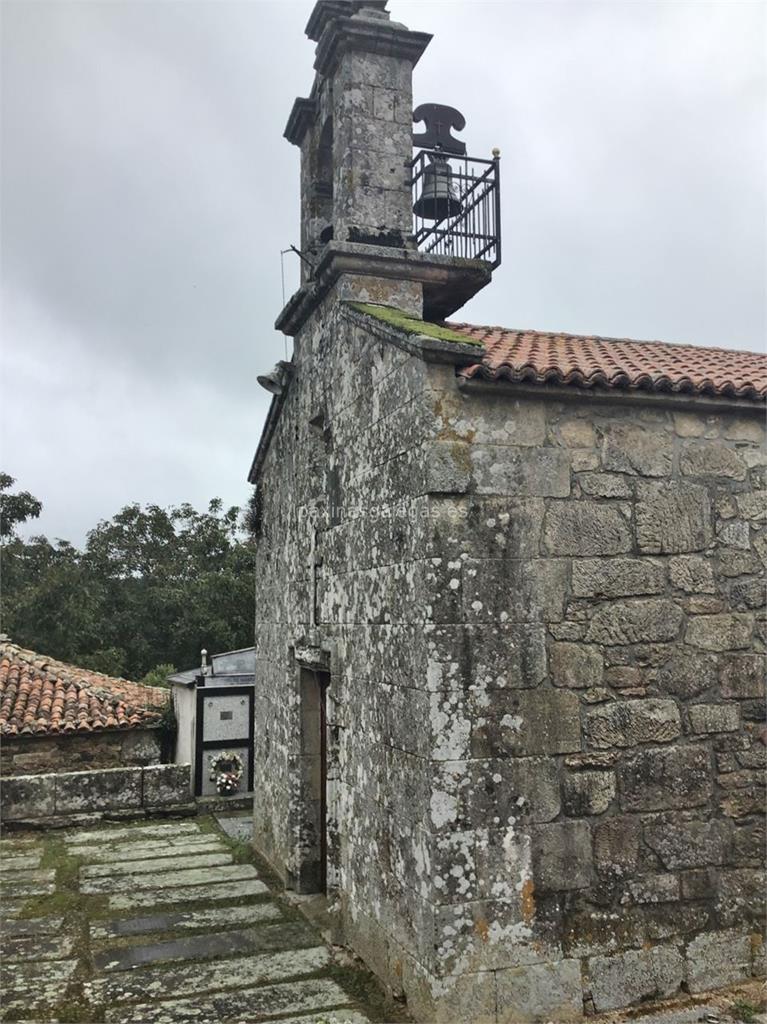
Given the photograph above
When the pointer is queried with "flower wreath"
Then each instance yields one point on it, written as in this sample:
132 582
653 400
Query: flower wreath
226 771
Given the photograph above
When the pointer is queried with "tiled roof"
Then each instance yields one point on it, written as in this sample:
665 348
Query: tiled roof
41 696
590 362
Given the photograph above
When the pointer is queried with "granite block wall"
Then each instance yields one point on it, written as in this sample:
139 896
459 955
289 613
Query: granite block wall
543 619
26 755
65 798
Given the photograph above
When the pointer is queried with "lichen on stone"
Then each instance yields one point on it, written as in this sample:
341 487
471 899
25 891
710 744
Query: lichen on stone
412 325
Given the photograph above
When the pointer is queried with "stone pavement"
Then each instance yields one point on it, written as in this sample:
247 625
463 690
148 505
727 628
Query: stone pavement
162 922
157 923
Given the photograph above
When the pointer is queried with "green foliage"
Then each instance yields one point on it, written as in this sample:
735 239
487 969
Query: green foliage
158 676
168 730
151 588
251 517
745 1011
110 661
15 508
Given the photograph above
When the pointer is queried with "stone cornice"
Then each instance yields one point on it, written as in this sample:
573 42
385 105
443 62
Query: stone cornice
301 118
387 38
326 10
448 282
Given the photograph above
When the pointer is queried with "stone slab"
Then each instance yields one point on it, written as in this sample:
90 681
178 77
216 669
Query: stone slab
32 926
170 879
32 987
20 863
29 875
540 991
224 892
143 832
166 785
618 981
28 796
237 827
97 853
191 920
252 1004
12 889
151 865
10 908
18 845
285 935
155 983
718 959
36 947
104 790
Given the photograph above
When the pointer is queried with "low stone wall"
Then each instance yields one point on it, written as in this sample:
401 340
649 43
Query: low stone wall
32 755
36 801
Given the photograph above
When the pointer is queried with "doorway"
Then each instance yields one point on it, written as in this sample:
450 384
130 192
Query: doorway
313 859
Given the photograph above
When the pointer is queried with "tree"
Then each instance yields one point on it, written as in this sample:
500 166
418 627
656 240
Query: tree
151 587
158 676
15 508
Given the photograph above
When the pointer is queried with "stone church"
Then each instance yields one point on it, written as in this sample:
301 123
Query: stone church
509 589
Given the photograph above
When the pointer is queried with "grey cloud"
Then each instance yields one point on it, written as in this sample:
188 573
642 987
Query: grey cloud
147 191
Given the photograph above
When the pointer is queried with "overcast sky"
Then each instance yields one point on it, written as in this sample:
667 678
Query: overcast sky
147 192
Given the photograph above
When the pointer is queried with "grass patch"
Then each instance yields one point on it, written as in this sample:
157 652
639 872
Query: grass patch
208 824
76 908
243 852
744 1011
67 900
412 325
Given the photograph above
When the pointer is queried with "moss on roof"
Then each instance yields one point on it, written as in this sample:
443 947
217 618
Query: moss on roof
412 325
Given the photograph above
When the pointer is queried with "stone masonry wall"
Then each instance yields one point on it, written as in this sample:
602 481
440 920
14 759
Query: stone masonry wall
343 446
43 801
26 755
596 695
545 631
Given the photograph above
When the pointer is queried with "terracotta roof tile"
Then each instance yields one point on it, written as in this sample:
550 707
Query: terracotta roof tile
42 696
590 362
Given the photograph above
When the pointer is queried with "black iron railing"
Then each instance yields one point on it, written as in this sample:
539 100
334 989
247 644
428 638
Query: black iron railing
474 232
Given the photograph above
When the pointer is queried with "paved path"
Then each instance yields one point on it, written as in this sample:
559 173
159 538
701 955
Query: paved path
157 923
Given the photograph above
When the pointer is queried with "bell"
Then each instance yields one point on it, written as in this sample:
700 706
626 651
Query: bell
438 200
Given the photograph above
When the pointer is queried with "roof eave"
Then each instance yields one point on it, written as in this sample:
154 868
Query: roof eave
272 418
554 391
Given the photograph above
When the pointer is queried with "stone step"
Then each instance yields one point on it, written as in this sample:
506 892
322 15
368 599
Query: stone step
269 937
29 875
18 845
36 947
20 863
32 926
12 889
98 854
225 892
33 986
10 908
252 1004
190 920
187 979
135 832
170 879
143 867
